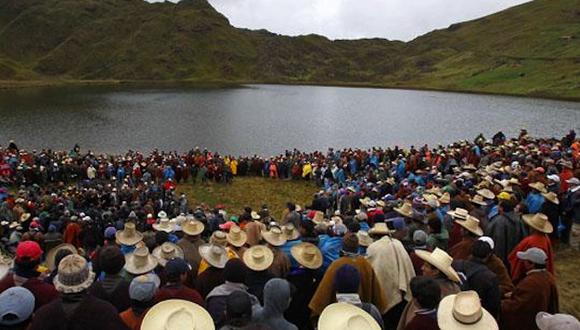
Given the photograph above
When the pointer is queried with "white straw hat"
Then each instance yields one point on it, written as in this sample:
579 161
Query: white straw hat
236 237
342 316
307 254
538 221
129 236
258 258
177 314
166 252
274 236
140 261
440 260
215 255
471 223
463 311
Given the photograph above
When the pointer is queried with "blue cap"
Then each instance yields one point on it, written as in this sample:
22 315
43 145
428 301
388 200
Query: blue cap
176 266
16 305
143 288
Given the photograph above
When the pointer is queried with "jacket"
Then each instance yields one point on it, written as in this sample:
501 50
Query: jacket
506 230
483 281
538 240
276 301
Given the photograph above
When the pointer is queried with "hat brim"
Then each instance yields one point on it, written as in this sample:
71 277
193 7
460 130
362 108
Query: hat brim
546 229
205 252
448 271
482 203
337 315
463 223
75 288
313 264
273 241
129 241
261 266
403 213
446 321
241 241
131 268
157 253
158 315
51 255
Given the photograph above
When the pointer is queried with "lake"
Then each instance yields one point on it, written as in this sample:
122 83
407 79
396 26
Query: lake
265 119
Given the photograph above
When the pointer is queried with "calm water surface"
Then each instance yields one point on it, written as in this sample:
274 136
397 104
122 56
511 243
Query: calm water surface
265 119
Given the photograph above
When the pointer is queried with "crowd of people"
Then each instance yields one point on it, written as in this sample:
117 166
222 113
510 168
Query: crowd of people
454 237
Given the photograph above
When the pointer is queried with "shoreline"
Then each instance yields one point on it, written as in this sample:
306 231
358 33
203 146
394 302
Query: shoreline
10 85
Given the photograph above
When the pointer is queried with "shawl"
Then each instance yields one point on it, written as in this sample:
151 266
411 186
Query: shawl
538 240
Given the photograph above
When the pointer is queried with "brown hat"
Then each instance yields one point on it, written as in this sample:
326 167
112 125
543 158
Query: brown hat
350 243
405 210
539 187
552 197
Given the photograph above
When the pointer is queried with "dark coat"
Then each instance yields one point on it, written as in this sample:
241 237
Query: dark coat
305 283
484 282
91 314
208 280
118 297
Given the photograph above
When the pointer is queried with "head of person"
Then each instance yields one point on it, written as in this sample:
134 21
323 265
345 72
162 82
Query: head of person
481 250
28 256
176 270
238 309
291 206
419 238
277 297
306 229
60 255
533 258
546 321
142 291
74 275
350 244
111 260
435 226
426 292
16 307
346 280
235 271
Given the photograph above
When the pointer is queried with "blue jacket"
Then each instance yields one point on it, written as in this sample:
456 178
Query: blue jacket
534 201
330 248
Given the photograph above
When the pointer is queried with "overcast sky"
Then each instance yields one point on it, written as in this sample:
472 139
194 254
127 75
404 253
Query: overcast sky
347 19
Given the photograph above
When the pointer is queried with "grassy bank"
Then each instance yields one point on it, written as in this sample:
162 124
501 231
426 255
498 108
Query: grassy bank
250 191
567 261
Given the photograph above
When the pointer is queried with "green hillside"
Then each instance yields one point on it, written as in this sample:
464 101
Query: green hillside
532 49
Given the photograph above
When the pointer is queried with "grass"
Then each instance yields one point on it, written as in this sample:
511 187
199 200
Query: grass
250 191
567 261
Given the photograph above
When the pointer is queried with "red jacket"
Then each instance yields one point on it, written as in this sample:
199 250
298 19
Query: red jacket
537 240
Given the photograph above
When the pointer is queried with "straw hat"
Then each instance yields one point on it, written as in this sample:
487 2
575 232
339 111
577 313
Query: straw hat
219 237
307 254
5 265
165 225
342 316
74 275
380 228
215 255
290 232
24 217
538 221
539 187
405 210
472 224
51 255
193 227
459 213
365 201
255 215
258 258
318 217
445 198
435 191
166 252
177 314
364 239
440 260
140 261
236 237
463 311
478 199
486 193
274 236
129 236
431 200
552 197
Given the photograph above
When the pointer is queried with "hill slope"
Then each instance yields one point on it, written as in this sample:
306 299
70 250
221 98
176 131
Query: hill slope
532 49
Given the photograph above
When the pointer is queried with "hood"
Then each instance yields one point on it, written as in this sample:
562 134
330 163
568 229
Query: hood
276 297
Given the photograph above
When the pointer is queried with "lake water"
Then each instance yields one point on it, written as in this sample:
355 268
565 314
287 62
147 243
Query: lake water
265 119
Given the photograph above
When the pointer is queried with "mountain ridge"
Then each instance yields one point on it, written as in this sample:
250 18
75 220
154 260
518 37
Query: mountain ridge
531 49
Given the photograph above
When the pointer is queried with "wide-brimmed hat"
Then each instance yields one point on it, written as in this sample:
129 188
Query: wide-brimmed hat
486 193
166 252
318 217
258 258
193 227
380 228
24 217
546 321
478 199
5 264
219 237
274 236
459 213
471 223
343 316
215 255
463 311
236 236
255 215
364 239
290 232
552 197
445 198
140 261
307 255
405 210
165 225
440 260
538 186
177 314
538 221
365 201
431 200
51 255
74 275
129 235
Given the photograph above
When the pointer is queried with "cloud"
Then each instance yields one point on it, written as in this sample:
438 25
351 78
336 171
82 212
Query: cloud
349 19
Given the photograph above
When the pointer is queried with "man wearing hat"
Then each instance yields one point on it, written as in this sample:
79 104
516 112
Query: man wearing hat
112 286
76 309
370 290
572 213
535 200
393 268
142 292
16 307
506 229
536 292
191 242
539 228
26 275
176 271
471 231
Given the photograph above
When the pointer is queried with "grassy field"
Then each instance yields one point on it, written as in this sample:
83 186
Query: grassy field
250 191
567 262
